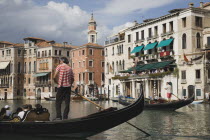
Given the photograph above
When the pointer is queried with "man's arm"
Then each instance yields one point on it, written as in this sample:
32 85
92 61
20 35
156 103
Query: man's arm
55 77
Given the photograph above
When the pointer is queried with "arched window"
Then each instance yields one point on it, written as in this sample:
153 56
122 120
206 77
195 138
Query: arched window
198 40
184 41
129 53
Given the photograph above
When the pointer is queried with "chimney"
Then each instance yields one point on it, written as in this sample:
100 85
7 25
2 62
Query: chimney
135 22
191 4
201 4
64 44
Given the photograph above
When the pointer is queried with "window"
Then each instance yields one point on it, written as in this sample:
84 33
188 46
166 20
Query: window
29 80
184 42
129 38
83 64
198 92
59 52
106 52
19 52
90 76
150 32
164 28
83 52
29 67
56 52
102 52
198 21
208 73
42 53
90 63
129 53
142 34
92 39
171 26
137 35
208 41
83 76
49 52
122 48
184 24
90 51
156 30
183 75
110 81
102 64
102 76
30 51
38 54
112 50
25 67
34 66
18 67
45 53
184 92
67 53
198 74
198 40
79 64
79 77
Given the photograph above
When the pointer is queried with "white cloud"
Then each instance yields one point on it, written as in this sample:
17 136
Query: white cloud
54 21
122 7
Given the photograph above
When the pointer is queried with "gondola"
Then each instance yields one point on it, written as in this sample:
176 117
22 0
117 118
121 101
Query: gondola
169 106
76 128
50 98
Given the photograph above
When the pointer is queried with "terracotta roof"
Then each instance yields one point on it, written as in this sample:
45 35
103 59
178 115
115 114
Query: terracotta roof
92 44
5 42
16 45
48 44
33 38
206 4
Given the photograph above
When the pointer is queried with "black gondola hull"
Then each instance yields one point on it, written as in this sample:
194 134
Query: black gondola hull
171 106
80 127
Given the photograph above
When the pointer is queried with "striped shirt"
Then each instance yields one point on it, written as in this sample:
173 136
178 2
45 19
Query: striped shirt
66 75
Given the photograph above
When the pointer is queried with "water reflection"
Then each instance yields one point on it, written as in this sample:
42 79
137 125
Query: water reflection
187 123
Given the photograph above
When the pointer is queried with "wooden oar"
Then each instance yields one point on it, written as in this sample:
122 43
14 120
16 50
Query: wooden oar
175 96
147 134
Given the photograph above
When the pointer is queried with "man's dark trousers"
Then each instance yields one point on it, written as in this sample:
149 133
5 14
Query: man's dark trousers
63 93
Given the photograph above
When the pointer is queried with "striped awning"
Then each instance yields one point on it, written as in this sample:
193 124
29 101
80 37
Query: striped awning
40 74
3 65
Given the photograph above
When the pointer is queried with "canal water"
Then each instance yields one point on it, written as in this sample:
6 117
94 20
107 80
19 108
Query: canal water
188 123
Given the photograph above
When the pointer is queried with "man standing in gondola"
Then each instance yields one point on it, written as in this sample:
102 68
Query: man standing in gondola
169 91
65 81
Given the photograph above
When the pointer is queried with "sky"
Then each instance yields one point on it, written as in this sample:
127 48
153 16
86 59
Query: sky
67 20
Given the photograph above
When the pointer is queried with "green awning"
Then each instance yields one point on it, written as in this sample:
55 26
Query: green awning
165 42
137 49
153 66
40 74
150 46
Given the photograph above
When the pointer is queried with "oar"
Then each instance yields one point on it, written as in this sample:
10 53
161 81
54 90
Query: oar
176 96
147 134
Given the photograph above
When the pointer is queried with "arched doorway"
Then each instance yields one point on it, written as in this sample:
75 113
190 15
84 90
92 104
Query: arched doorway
191 91
38 95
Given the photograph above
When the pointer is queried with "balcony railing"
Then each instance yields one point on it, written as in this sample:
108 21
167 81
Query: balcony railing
139 41
183 81
4 85
90 82
197 80
43 83
167 33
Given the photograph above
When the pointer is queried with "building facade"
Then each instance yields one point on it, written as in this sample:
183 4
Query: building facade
27 69
88 64
171 48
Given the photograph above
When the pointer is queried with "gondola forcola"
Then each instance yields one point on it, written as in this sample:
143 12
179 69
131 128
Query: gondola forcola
76 128
169 106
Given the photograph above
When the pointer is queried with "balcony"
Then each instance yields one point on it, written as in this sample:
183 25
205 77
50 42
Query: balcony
43 83
183 81
198 80
167 33
115 40
4 85
139 41
90 82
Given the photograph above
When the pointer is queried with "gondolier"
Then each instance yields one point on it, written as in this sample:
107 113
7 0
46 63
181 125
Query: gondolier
169 91
65 81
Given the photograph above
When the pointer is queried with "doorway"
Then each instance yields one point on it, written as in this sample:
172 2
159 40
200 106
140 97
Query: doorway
191 91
